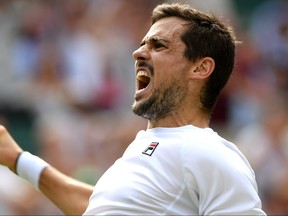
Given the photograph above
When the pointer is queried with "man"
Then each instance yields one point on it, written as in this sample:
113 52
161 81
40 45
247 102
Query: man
178 165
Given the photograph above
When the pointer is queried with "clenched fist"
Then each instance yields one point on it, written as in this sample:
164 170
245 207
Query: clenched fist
9 149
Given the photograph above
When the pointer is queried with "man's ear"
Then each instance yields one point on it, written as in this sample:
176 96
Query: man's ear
203 68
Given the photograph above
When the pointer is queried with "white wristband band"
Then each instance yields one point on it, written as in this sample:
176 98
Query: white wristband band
30 168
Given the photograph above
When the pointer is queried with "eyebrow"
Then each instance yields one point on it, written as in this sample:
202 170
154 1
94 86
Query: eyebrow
153 40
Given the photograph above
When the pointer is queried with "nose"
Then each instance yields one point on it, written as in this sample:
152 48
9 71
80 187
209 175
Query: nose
141 54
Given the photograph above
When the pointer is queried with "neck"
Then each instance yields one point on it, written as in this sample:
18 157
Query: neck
200 120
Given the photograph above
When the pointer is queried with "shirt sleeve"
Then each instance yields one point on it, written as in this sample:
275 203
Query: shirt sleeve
223 182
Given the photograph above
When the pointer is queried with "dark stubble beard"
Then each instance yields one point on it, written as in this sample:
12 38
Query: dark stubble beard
162 102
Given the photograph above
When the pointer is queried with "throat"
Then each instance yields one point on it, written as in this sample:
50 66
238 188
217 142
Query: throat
179 120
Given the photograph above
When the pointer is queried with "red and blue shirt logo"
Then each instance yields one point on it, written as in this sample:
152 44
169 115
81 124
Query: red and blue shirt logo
150 149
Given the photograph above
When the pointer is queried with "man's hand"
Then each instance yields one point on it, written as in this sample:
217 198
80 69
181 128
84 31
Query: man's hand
70 195
9 150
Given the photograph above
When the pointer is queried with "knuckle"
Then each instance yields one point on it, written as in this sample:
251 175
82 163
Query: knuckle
2 130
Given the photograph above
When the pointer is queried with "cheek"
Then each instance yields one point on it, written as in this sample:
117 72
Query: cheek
171 68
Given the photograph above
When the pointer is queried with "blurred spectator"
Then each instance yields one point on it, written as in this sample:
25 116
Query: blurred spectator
262 102
269 33
265 144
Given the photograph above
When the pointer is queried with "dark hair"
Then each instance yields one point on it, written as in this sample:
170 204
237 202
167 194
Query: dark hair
205 36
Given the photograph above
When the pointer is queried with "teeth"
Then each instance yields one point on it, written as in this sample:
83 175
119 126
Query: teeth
143 76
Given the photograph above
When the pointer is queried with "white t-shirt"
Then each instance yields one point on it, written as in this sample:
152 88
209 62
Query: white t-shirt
177 171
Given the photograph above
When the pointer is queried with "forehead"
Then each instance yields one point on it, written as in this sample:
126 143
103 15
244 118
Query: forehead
167 28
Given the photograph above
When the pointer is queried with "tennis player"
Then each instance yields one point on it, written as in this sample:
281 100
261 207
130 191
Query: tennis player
178 165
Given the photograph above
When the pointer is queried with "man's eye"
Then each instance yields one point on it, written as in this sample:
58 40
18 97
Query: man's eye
158 45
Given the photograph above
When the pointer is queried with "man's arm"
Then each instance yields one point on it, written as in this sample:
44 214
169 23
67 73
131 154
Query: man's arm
70 195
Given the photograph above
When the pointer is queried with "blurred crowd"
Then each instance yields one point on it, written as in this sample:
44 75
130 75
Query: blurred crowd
67 83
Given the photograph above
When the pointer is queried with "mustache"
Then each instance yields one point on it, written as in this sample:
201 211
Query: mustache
145 65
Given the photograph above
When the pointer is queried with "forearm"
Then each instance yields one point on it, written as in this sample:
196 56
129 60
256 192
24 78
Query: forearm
70 195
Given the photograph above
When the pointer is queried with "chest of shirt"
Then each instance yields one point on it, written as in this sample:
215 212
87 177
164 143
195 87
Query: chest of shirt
148 175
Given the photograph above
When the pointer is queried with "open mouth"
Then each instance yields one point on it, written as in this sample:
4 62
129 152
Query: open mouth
143 79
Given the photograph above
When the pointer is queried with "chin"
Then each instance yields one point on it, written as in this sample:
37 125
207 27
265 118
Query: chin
135 106
142 110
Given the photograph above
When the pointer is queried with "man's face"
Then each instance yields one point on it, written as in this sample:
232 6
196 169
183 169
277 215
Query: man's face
161 68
